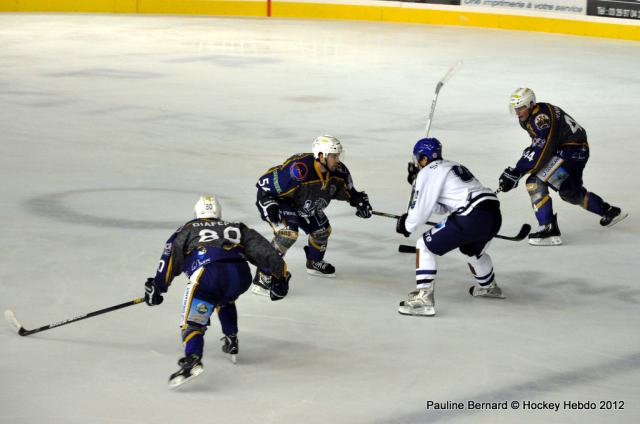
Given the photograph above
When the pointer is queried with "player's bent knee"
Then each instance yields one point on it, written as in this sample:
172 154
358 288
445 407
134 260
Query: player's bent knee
320 237
285 238
192 329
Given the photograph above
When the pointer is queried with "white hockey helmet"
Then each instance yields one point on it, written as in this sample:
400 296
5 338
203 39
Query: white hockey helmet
208 207
326 144
522 97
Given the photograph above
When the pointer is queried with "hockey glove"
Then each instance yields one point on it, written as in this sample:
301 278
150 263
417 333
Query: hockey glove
269 210
279 287
509 179
400 226
360 201
152 295
412 172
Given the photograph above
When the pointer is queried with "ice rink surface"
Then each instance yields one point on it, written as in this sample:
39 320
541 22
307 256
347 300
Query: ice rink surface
111 126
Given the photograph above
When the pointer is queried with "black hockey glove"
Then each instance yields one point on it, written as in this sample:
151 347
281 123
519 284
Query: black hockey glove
360 201
269 210
152 295
400 227
279 287
412 172
509 179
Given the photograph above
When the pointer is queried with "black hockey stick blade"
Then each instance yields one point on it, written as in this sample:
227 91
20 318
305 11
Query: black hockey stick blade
524 232
405 248
15 324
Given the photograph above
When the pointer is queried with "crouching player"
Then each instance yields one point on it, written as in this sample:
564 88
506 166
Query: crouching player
443 186
213 254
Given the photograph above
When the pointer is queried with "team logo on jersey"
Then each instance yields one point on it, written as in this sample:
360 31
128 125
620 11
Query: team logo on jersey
298 171
202 251
542 121
202 308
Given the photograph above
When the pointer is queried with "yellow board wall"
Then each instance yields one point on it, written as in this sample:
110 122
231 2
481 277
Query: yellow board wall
285 9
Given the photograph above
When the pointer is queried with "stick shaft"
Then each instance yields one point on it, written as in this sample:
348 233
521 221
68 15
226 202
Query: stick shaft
524 230
444 79
25 332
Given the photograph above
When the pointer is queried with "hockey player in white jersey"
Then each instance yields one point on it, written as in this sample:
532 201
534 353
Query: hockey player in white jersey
447 187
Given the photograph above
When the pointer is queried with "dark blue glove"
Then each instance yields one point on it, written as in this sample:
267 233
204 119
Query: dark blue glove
279 287
509 179
412 172
269 210
360 201
400 226
152 294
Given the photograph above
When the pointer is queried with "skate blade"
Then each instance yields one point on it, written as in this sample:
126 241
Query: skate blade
255 289
550 241
319 274
419 312
180 380
233 358
617 219
490 296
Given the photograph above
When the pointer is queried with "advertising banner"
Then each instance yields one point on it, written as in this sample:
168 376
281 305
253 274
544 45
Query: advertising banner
447 2
625 9
575 7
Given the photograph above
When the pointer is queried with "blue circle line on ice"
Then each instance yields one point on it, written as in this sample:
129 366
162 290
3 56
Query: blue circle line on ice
58 206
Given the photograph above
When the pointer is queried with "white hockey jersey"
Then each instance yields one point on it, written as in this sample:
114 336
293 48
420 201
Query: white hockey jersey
441 187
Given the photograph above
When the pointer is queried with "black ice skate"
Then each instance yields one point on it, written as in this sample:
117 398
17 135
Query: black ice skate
612 215
261 284
319 268
549 235
190 368
230 346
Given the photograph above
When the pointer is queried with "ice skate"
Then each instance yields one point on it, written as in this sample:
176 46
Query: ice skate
230 346
549 235
420 302
612 215
320 268
491 290
261 284
190 368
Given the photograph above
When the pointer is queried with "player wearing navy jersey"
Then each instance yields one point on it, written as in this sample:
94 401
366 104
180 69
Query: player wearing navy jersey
555 159
447 187
213 255
293 196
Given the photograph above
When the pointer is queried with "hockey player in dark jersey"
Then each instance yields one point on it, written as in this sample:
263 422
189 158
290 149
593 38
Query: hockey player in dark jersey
555 159
213 255
293 196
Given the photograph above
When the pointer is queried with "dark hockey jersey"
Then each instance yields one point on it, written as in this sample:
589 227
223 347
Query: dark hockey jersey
299 182
551 129
205 240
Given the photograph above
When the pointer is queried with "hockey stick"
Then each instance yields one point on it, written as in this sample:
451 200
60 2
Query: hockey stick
524 231
452 70
444 79
13 321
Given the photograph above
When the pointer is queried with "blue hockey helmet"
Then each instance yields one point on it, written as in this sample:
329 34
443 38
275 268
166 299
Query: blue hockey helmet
430 148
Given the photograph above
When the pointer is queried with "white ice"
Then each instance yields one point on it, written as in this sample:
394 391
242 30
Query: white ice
112 125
